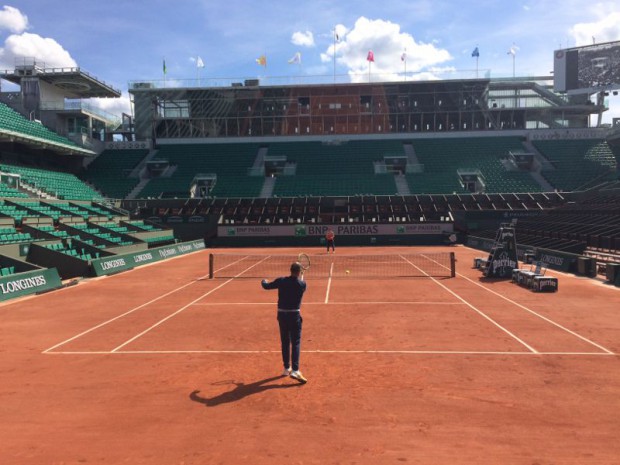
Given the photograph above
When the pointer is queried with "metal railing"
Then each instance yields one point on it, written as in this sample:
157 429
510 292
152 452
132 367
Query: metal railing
79 105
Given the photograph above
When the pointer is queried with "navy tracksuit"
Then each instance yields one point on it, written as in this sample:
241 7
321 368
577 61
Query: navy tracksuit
290 292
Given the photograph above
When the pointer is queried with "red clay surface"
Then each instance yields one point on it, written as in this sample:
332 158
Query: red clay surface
160 366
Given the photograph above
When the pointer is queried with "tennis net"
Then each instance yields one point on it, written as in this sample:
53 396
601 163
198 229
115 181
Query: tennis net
435 264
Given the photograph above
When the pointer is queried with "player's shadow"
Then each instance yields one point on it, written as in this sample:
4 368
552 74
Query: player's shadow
240 391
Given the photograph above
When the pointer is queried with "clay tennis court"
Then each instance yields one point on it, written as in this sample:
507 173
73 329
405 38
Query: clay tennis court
161 365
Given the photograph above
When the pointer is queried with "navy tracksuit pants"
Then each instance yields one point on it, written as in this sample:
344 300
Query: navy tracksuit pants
290 337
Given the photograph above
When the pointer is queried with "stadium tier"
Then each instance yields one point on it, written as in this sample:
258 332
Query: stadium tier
7 191
442 158
230 161
111 169
14 122
54 183
335 169
357 167
577 164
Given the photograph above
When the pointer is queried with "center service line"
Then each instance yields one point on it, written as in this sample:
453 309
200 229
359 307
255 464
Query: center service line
329 282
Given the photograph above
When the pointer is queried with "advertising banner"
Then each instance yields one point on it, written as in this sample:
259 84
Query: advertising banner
116 263
348 229
31 282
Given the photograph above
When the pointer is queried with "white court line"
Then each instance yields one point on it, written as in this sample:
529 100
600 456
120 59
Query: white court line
163 320
120 316
573 333
542 317
366 302
319 351
480 312
126 313
329 283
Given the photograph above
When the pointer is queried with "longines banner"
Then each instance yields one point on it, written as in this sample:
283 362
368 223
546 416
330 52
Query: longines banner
116 263
31 282
305 230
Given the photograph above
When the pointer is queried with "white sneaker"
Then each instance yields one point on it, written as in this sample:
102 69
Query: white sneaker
299 377
286 372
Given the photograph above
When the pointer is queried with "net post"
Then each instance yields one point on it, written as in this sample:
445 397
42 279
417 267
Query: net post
452 265
210 266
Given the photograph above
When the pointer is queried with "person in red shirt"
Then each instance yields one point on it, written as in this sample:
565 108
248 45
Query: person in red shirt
329 237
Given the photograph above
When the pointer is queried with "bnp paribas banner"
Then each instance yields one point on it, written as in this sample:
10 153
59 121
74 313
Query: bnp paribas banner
304 230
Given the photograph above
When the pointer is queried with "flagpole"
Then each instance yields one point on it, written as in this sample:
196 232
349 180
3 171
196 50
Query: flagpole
513 52
476 54
334 54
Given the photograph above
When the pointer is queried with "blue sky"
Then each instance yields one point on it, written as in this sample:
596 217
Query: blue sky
119 41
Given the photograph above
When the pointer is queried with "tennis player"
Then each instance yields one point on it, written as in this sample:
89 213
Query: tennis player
290 292
329 237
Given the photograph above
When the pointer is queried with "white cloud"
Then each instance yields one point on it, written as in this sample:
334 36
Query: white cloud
303 39
114 106
387 42
341 31
13 20
44 50
604 30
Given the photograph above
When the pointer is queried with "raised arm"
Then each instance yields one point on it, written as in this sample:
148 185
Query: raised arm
269 285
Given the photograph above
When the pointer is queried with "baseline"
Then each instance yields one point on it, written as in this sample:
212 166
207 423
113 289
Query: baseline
330 351
365 302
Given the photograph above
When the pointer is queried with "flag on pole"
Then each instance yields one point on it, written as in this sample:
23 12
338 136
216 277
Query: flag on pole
200 63
165 69
296 60
371 56
262 60
403 57
475 53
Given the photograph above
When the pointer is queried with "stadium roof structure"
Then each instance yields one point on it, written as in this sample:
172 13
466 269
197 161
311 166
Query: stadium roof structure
74 82
43 144
425 108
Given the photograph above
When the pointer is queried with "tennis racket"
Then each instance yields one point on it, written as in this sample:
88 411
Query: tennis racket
304 261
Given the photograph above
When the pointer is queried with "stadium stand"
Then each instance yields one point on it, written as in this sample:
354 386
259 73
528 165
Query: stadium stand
110 171
338 172
230 162
442 158
12 121
6 191
53 183
327 169
577 163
